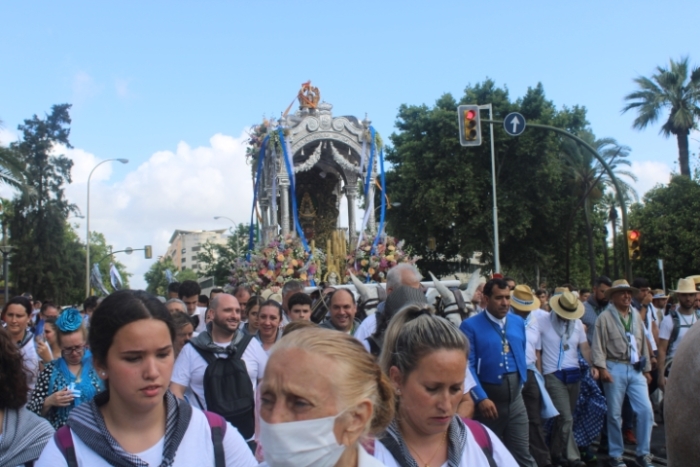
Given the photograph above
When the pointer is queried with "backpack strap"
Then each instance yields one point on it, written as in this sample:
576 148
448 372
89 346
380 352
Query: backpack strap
483 439
676 328
64 442
243 344
217 424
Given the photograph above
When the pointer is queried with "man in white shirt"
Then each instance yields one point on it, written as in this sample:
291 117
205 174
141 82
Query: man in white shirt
222 331
561 336
526 305
675 325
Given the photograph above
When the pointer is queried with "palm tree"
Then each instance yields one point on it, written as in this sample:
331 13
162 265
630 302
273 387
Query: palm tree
669 88
11 167
589 181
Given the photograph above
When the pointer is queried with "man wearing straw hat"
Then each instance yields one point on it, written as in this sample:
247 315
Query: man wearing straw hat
675 325
562 335
537 402
621 354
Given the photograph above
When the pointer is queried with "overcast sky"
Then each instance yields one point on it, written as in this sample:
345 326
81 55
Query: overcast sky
173 86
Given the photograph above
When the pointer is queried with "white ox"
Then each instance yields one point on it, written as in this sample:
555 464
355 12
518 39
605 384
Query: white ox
445 296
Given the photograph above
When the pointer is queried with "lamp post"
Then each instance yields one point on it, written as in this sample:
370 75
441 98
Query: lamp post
87 231
235 226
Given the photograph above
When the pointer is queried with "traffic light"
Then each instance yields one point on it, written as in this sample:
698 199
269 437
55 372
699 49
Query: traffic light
148 251
469 125
633 237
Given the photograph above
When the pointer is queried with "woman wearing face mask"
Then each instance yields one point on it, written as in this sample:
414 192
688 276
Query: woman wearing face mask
321 393
425 357
70 380
137 421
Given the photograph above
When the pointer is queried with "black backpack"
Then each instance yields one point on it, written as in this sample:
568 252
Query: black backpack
228 390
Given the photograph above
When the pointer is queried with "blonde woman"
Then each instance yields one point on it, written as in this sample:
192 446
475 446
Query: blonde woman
425 357
321 394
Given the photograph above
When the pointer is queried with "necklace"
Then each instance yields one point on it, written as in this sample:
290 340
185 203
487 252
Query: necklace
692 319
413 451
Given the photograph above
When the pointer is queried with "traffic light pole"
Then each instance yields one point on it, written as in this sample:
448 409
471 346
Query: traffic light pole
496 252
618 191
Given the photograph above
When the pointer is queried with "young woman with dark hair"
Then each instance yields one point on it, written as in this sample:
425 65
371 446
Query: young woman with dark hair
69 380
137 420
17 315
23 434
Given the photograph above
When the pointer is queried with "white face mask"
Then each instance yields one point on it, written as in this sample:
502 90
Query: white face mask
305 443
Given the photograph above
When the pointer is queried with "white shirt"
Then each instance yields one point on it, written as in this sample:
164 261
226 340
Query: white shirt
190 366
31 362
532 334
666 329
366 328
501 322
196 448
552 348
202 313
472 456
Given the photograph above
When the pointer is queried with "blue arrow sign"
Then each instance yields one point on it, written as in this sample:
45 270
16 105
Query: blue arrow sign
514 124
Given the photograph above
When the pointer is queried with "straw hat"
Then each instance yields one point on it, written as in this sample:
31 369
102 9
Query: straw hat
686 285
659 294
696 280
619 285
522 299
567 305
560 290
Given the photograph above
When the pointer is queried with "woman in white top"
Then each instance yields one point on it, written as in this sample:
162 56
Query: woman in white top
137 421
321 393
425 357
16 314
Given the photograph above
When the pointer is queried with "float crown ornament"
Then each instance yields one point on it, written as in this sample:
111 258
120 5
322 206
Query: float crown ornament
309 96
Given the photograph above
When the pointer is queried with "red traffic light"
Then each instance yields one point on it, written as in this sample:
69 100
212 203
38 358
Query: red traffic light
633 235
469 114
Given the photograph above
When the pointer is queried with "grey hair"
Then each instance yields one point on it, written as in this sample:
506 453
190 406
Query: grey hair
415 332
292 286
393 277
179 302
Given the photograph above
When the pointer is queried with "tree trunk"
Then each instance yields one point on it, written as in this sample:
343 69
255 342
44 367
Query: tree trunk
683 158
605 252
591 249
615 268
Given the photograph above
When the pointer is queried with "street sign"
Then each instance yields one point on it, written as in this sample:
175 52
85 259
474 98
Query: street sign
514 124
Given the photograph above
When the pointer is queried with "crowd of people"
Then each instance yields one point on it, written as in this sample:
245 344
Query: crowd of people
287 378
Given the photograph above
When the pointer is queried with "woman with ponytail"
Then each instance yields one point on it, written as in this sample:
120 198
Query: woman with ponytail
425 358
322 394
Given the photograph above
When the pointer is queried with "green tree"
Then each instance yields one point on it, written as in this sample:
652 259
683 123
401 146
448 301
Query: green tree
38 224
445 192
589 180
676 88
217 259
156 279
667 222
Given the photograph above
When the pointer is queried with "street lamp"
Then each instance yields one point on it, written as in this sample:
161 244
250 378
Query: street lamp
87 234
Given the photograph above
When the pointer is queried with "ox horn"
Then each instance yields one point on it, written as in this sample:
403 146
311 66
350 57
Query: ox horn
361 288
445 293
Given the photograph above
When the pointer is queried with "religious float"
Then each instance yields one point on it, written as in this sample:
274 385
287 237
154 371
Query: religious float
304 165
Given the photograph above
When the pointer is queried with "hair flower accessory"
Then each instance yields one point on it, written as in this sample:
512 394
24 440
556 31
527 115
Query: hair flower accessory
69 320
